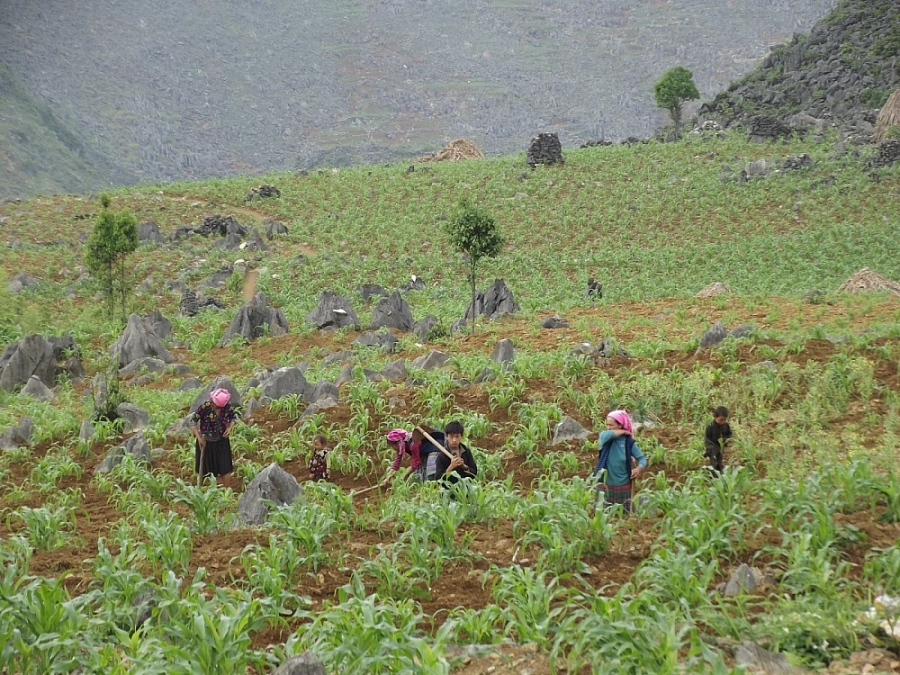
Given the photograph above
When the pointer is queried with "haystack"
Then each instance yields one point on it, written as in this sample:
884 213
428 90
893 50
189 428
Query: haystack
454 151
867 281
888 118
713 290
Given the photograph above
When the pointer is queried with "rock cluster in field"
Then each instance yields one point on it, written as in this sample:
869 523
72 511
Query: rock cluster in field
40 357
255 319
496 301
545 148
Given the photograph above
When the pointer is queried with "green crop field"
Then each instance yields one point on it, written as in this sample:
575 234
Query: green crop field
139 571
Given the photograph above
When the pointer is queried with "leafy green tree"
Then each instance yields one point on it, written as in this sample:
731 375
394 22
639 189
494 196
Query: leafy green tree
475 233
114 238
674 88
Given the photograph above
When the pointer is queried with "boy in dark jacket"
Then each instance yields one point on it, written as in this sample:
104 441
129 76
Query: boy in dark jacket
717 437
463 463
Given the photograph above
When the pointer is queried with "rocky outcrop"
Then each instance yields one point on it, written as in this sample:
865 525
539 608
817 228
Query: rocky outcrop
842 72
136 446
545 148
495 301
40 357
272 486
255 319
333 311
137 342
393 312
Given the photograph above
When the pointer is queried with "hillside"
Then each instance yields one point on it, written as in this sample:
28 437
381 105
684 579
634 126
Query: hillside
38 153
842 71
201 89
791 556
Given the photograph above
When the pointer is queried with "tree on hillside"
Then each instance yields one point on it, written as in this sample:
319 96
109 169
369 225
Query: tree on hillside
113 239
475 233
674 88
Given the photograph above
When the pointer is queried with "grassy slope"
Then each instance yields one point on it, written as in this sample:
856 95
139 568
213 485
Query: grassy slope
38 154
795 510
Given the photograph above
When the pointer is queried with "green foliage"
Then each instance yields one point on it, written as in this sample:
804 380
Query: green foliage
113 239
674 88
474 232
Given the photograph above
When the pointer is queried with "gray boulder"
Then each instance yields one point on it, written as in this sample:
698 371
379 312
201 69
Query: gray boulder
87 431
137 342
159 324
337 357
221 382
713 336
395 370
431 360
569 430
146 364
190 384
333 311
18 435
554 322
758 168
254 242
320 405
346 375
763 128
219 225
274 228
22 281
764 662
149 232
322 390
37 389
306 663
369 291
393 312
219 278
743 580
496 300
272 485
135 418
284 382
255 319
137 446
814 297
414 284
504 353
33 355
383 339
742 331
797 162
426 329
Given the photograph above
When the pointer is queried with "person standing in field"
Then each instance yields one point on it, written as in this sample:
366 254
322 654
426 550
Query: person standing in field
212 423
403 443
717 437
320 460
616 465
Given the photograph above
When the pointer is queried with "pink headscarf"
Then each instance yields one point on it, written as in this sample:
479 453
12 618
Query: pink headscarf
220 397
397 435
624 419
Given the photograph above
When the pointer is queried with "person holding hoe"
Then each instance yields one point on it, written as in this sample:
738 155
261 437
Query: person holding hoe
717 437
212 424
403 443
616 465
457 461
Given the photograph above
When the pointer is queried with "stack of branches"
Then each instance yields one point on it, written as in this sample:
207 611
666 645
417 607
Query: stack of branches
888 119
454 151
866 281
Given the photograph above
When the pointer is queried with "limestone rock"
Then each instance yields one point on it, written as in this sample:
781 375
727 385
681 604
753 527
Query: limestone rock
306 663
322 390
255 319
369 291
554 322
146 364
414 284
333 311
743 580
545 148
274 228
159 324
337 357
137 446
743 331
504 353
427 329
762 661
18 435
87 431
431 360
384 339
190 384
395 370
496 300
21 282
37 389
135 418
149 232
713 336
271 485
284 382
569 430
33 355
137 342
393 312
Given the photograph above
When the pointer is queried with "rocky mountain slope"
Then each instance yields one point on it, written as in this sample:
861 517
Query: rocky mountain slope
179 89
842 72
38 153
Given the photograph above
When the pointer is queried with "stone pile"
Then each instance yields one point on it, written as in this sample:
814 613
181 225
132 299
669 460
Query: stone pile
545 148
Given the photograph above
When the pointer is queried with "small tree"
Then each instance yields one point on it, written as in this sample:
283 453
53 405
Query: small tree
114 238
474 232
674 88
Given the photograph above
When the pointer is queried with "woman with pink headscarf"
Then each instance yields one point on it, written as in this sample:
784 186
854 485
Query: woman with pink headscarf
212 423
403 443
616 466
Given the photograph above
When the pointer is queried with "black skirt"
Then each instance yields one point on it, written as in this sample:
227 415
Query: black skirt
216 459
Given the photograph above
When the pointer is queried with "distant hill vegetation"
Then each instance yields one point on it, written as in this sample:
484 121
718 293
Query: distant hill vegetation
843 71
174 89
38 153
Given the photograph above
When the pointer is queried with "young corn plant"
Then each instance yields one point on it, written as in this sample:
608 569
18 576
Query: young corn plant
213 507
47 529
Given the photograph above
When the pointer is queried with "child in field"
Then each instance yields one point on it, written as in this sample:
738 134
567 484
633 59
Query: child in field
618 452
462 464
717 437
403 443
320 460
